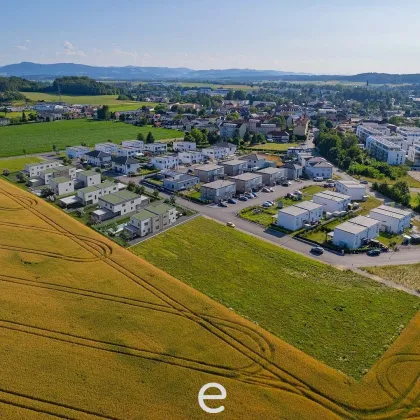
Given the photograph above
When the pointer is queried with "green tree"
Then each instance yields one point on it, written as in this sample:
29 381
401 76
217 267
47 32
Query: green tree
150 139
24 118
140 136
104 113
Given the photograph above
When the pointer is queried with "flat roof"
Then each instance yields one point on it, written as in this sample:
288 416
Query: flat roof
364 221
208 167
352 228
61 179
332 195
293 210
234 162
308 205
270 170
89 173
350 183
119 197
218 184
394 210
247 176
388 213
143 215
90 189
159 209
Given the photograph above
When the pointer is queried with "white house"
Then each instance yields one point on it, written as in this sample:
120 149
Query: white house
354 189
184 146
127 151
191 157
217 191
137 144
414 156
90 195
332 201
35 169
125 165
318 167
215 153
231 148
61 185
107 147
151 219
315 211
118 204
393 220
97 158
255 162
156 148
88 178
292 218
179 181
165 162
76 152
355 232
384 150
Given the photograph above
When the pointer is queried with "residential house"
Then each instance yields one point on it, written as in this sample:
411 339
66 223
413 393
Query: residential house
231 148
137 144
294 170
247 182
318 168
414 156
165 162
273 176
217 191
184 146
332 201
107 147
61 185
209 172
97 158
4 121
192 157
125 165
279 136
356 232
215 153
297 216
88 178
231 129
255 162
76 152
156 148
35 169
179 181
354 189
392 219
127 151
301 126
234 167
151 219
410 134
90 195
119 204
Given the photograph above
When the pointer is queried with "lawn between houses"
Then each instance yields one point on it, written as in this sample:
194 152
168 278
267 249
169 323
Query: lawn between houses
40 137
338 317
264 216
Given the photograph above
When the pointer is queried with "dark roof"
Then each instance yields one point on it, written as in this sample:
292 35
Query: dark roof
279 133
122 160
97 154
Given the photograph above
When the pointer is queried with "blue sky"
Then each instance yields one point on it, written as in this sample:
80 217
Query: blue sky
327 36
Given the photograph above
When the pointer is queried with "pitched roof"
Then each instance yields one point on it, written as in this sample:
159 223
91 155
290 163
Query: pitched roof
97 154
124 160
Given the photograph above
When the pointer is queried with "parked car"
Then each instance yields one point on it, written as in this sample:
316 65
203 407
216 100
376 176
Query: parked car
248 195
230 224
232 201
286 184
271 189
271 202
318 179
374 252
255 194
363 181
266 190
222 204
266 204
243 198
317 250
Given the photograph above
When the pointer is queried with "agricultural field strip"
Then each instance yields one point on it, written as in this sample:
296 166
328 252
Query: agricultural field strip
212 326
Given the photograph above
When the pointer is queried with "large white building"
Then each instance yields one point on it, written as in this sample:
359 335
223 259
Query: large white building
355 232
165 162
414 155
184 146
354 189
364 130
332 201
384 150
410 134
393 220
295 217
35 169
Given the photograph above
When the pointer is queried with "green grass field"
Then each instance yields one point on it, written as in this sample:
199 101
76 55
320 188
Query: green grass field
36 138
407 275
17 164
277 147
339 317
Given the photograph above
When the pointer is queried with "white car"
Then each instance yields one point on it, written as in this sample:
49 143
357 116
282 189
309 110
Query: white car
267 204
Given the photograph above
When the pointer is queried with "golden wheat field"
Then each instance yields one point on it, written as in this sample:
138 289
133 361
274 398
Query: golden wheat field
90 331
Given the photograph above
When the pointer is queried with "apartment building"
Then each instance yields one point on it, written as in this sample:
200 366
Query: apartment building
384 150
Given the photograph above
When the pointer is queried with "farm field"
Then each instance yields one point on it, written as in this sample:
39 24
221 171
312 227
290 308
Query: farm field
332 315
88 330
36 138
407 275
17 164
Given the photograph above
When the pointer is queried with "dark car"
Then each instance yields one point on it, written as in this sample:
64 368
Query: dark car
317 250
363 181
374 252
232 201
243 198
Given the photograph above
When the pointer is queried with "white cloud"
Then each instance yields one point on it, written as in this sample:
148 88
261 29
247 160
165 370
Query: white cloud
28 41
127 53
22 47
69 49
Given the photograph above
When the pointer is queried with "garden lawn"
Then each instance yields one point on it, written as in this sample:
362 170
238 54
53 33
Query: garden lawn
412 183
336 316
34 138
274 146
17 164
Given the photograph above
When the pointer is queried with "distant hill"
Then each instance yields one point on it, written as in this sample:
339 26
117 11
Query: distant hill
36 71
45 71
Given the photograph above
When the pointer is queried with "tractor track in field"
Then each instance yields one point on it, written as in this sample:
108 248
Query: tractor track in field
283 379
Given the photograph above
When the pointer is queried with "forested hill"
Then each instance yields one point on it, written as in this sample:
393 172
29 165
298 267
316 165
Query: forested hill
15 84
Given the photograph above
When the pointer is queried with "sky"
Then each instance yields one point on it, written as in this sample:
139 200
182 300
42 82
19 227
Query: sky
309 36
